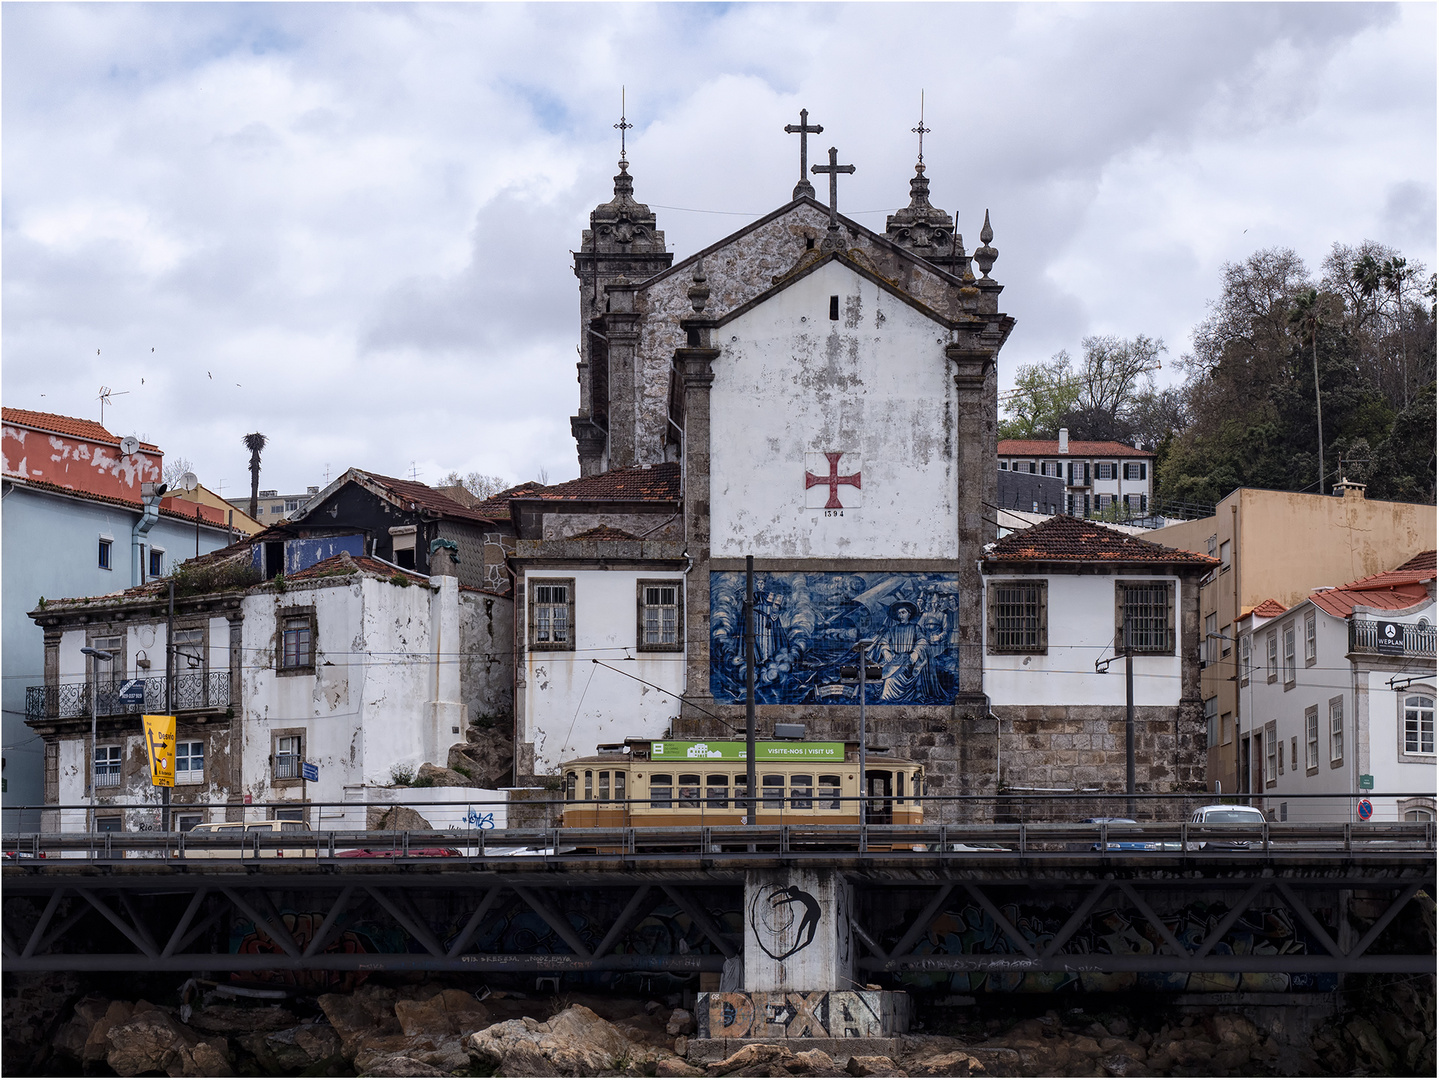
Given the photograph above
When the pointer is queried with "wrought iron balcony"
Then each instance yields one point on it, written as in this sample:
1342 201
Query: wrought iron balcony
191 691
1374 636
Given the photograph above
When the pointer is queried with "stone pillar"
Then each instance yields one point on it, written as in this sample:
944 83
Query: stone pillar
622 329
445 714
797 933
696 366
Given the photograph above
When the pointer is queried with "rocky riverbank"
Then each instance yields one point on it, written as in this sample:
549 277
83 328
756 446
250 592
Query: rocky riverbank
435 1029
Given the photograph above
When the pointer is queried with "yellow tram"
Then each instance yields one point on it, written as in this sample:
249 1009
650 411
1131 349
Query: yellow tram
645 782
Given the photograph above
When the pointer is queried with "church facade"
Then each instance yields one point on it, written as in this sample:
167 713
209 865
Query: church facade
829 395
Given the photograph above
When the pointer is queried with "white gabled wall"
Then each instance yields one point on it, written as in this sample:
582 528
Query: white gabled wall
571 704
1081 631
790 382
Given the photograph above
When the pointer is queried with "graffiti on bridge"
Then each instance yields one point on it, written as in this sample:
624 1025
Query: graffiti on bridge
1258 932
781 1014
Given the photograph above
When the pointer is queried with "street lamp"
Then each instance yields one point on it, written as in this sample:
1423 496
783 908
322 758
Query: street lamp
98 654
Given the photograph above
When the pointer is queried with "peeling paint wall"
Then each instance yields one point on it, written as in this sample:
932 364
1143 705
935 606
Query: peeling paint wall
792 385
487 684
82 464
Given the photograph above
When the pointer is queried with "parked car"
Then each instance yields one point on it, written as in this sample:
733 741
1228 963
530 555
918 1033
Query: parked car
1119 845
1227 815
197 848
400 853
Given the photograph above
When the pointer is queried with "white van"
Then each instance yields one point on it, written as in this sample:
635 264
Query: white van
197 848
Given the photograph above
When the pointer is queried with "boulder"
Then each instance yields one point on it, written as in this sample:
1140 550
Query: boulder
154 1041
873 1065
71 1036
814 1063
434 776
1232 1029
1123 1047
1121 1065
97 1043
411 1055
225 1019
293 1050
755 1059
1370 1051
575 1042
368 1012
954 1063
400 818
681 1022
450 1012
673 1066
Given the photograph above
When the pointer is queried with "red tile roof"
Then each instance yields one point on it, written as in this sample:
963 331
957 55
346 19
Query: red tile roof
642 483
1077 448
64 425
346 565
1269 609
603 532
209 515
497 506
423 497
1070 539
1393 590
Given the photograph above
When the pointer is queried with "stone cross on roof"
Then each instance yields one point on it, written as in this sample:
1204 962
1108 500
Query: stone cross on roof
832 241
623 126
921 131
804 129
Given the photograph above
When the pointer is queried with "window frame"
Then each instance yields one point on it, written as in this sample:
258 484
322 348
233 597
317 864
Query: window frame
1311 638
642 607
1291 645
156 559
1211 721
1122 588
1420 756
105 557
189 776
1210 652
533 605
1271 656
1246 658
1041 616
1336 731
1311 741
113 754
276 737
282 630
1273 759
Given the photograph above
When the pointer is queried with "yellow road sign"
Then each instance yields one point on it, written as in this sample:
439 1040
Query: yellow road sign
160 741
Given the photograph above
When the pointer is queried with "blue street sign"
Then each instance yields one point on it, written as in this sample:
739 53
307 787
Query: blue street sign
132 692
1366 809
308 771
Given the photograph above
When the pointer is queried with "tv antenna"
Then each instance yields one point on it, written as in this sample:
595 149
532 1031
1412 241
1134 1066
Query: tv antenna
105 395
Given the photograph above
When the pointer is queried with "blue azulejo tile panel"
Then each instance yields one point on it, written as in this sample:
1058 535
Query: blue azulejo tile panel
807 626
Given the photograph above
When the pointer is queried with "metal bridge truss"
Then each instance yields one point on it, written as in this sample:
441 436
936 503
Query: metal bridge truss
572 913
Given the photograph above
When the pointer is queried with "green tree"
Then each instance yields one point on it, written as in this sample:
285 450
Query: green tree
1304 318
1042 394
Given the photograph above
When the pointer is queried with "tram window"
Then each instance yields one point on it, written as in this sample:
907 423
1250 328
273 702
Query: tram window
569 787
689 791
589 786
899 786
828 792
604 787
801 791
660 790
619 787
741 789
771 789
717 791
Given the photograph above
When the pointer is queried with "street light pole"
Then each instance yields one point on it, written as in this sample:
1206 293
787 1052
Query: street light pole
98 654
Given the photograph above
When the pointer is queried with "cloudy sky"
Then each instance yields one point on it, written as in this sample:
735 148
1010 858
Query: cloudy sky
349 226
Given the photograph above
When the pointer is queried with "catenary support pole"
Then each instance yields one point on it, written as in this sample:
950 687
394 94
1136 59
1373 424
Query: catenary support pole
169 693
751 804
1129 726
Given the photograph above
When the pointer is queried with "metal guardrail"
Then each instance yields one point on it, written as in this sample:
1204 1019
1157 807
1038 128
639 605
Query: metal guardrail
1365 636
67 701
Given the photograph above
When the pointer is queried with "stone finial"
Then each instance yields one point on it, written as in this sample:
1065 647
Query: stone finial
699 292
986 255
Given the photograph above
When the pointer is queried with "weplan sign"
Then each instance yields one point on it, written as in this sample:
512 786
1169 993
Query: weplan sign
735 751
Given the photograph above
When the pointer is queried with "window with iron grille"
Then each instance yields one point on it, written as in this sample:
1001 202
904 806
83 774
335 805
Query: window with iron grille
289 754
297 641
1336 732
661 616
1144 616
1418 724
1018 617
107 766
552 613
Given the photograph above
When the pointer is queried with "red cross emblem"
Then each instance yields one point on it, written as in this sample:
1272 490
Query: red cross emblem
832 481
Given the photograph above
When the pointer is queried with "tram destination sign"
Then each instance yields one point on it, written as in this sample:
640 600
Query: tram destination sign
671 750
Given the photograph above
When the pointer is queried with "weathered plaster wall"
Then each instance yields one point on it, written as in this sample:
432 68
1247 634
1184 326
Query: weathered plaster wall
640 526
570 703
1081 631
82 464
791 385
487 683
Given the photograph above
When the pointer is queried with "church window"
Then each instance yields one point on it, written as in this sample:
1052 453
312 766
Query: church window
661 616
834 308
1018 617
1144 616
552 613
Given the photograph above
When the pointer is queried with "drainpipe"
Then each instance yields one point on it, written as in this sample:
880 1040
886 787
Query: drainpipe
151 494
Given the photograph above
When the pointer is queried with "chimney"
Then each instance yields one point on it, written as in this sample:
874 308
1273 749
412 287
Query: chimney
1064 440
1348 489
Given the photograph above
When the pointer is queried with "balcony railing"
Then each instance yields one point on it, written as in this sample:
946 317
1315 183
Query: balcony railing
192 690
1371 636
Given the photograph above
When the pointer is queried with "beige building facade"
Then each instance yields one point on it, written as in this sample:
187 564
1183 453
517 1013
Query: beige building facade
1280 545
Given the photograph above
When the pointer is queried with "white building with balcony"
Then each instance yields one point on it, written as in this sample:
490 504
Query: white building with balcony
1101 479
1338 692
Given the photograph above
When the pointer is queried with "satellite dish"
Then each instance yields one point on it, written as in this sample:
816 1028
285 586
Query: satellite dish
189 482
129 444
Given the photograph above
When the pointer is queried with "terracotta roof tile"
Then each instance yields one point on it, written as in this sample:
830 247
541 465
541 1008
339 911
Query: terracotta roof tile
64 425
346 565
497 506
1070 539
1269 609
423 497
643 483
603 532
1423 561
1392 590
1077 448
115 500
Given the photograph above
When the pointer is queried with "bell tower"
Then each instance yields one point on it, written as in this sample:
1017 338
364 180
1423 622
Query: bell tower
621 247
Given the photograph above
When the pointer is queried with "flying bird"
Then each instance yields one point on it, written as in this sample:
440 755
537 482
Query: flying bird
208 375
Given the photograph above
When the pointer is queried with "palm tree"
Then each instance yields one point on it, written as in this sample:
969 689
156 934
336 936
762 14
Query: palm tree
1395 274
1304 317
254 443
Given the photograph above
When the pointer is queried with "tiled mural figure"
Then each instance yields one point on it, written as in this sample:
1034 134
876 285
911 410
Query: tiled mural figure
806 627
